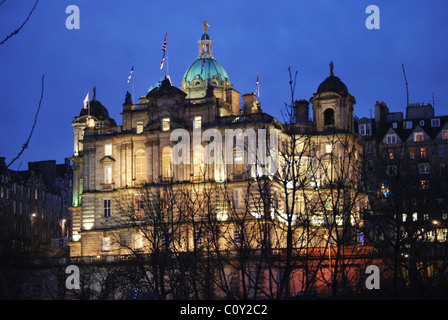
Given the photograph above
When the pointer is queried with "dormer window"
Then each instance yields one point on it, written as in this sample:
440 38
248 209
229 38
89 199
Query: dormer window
418 136
435 122
391 139
365 129
408 124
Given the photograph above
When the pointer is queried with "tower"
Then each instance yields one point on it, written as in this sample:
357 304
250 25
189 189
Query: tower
207 71
333 105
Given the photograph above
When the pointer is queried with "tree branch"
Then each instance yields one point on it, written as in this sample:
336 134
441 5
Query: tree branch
25 145
23 24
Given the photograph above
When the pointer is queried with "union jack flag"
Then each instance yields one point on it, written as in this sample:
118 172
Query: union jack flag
164 46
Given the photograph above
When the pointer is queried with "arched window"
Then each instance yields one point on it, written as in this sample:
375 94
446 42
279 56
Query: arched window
167 165
329 117
140 166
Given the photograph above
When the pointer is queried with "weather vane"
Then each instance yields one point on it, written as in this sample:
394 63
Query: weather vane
205 25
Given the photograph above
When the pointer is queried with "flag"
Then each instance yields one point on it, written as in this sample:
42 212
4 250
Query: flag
164 46
131 74
86 100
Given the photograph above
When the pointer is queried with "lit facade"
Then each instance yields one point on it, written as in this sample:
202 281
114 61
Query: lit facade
120 171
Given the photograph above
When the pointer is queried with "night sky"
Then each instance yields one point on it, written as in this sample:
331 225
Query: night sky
250 38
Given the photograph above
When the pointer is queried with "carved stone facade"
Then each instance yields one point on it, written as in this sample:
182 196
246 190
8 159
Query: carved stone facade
115 165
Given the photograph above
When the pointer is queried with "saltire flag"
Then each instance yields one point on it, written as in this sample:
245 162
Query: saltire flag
131 74
86 100
164 46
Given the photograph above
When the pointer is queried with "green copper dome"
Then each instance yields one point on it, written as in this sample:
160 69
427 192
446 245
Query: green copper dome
206 69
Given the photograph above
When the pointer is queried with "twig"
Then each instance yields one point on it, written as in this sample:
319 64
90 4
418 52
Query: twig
25 145
23 24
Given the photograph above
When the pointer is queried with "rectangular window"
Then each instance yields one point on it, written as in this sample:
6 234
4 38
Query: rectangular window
106 244
138 241
107 150
391 138
408 125
166 124
198 238
237 237
107 174
423 153
369 147
423 168
106 208
442 152
445 134
197 122
328 148
139 127
365 129
238 199
435 122
35 194
139 205
418 136
412 153
391 156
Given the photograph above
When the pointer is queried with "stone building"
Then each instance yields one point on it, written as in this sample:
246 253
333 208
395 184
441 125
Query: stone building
34 205
114 163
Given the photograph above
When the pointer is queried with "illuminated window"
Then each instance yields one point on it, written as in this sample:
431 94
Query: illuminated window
108 150
106 208
391 156
167 170
238 199
165 124
424 184
140 166
445 134
423 153
328 148
198 160
108 174
237 237
139 127
418 136
138 241
412 153
197 122
106 244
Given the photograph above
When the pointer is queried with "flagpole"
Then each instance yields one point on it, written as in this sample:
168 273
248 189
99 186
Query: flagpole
133 82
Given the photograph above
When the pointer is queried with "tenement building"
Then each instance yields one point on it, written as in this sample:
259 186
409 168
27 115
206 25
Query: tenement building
405 163
202 168
34 205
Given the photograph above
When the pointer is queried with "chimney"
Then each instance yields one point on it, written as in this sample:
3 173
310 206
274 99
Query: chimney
249 103
381 111
301 109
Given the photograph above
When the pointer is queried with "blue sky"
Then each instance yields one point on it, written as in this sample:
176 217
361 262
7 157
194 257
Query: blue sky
250 38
